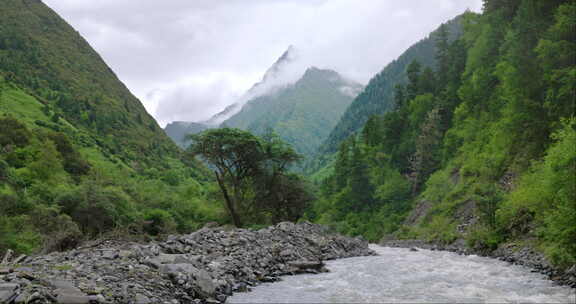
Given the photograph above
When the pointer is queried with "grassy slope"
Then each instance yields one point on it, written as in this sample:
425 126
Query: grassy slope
16 103
44 55
79 155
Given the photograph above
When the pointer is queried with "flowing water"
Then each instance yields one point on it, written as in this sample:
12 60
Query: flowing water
399 275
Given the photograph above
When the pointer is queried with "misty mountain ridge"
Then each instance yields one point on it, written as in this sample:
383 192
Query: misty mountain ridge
271 81
303 113
266 95
377 97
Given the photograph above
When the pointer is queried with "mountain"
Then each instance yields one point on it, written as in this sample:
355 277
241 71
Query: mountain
303 113
378 96
480 152
79 154
40 52
273 78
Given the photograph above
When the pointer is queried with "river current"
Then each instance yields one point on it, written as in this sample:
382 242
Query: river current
399 275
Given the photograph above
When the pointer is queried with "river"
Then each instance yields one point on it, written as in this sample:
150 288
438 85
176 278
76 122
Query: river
399 275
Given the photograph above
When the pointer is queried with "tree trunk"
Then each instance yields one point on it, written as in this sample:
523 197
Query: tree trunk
229 203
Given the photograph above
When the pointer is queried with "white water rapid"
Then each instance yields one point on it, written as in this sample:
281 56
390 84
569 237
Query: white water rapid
399 275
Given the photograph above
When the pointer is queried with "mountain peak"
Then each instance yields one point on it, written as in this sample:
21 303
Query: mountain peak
259 88
289 55
346 86
326 73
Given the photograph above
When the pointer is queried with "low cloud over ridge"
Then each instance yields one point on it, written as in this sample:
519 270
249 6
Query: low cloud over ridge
187 60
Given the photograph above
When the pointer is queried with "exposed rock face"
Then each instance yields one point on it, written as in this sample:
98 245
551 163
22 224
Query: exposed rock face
203 267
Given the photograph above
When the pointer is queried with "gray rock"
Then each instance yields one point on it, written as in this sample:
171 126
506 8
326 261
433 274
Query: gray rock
8 292
197 268
285 226
61 284
142 299
24 297
7 256
7 295
20 259
204 281
571 270
66 298
173 269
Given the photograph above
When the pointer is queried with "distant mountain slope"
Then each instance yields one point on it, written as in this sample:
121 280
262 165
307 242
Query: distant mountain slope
272 79
302 114
378 96
40 52
178 130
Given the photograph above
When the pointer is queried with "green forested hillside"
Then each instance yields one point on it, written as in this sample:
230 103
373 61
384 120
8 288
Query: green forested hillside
79 155
483 149
42 54
378 96
302 114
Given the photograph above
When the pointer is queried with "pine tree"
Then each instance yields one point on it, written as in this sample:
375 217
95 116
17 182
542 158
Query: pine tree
413 86
442 56
361 189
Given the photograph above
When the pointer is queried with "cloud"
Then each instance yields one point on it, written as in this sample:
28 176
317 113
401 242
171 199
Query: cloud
187 60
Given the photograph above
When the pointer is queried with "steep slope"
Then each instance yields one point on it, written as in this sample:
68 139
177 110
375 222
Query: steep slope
79 155
302 114
40 52
483 154
378 96
274 78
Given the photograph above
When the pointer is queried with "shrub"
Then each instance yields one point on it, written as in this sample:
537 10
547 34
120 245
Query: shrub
159 222
17 233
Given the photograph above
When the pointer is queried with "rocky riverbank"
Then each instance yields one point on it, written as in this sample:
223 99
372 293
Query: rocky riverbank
514 254
203 267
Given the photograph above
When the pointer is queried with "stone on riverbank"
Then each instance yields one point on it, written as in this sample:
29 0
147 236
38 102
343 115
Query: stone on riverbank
201 267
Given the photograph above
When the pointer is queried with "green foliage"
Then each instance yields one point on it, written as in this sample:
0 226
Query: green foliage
379 95
13 133
483 238
159 222
304 113
252 175
486 145
441 228
79 155
42 54
546 199
18 234
54 194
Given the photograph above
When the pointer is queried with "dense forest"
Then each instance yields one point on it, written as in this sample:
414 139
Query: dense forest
481 148
378 96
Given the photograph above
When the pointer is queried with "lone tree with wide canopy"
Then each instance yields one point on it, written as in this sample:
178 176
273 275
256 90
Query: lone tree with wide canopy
249 171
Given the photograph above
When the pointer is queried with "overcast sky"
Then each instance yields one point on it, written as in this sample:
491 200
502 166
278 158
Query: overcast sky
188 59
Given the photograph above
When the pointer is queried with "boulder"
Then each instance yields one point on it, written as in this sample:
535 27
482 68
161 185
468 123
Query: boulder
8 291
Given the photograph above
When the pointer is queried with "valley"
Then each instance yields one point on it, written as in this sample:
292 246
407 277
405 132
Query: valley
464 142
